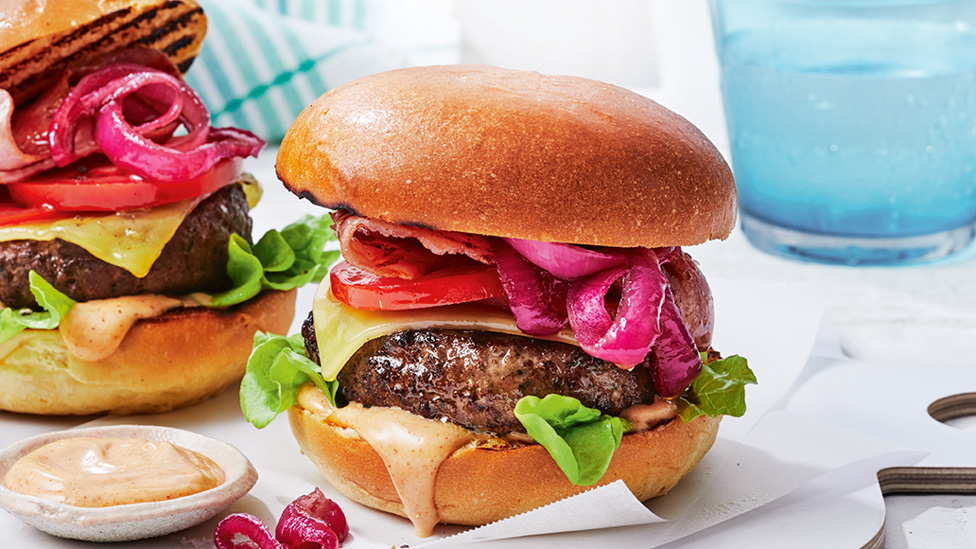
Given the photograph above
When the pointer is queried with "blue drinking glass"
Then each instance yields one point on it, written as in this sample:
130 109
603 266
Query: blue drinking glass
852 125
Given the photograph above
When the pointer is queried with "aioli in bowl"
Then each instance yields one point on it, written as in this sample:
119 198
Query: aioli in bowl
106 471
134 520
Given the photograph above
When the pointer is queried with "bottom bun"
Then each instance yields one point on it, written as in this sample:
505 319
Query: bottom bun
173 360
480 484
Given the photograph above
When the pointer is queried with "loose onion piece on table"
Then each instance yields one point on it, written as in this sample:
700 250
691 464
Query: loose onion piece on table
311 521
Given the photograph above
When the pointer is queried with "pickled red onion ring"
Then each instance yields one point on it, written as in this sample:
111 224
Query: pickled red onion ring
107 85
312 521
312 518
533 294
566 261
626 338
129 150
132 111
238 525
676 360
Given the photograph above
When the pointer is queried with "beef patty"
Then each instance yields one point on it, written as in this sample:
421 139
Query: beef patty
474 378
195 259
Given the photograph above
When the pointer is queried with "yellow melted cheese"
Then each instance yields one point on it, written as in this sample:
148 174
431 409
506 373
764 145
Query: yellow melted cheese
340 330
131 240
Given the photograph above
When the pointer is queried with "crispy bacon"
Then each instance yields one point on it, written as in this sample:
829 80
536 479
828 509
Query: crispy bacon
12 157
401 251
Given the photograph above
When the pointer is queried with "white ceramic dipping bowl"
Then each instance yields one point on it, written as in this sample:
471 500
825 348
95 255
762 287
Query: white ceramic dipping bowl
137 520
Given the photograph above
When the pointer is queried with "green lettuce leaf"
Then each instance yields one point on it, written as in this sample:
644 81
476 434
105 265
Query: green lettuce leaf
719 390
279 260
276 369
54 304
580 440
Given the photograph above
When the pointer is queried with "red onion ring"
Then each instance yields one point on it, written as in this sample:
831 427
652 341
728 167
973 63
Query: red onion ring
312 518
566 261
248 526
129 150
646 318
534 295
109 84
676 360
312 521
627 338
128 108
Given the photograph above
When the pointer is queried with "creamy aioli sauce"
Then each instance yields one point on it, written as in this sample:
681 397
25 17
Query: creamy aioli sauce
93 330
412 448
102 472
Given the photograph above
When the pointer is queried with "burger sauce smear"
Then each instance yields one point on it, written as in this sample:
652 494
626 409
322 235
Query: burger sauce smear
103 472
412 448
93 330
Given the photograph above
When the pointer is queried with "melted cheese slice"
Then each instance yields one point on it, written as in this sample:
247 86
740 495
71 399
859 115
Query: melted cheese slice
340 330
131 240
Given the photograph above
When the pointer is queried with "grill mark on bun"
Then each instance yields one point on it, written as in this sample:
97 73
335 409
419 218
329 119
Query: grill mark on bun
174 27
185 65
65 43
180 23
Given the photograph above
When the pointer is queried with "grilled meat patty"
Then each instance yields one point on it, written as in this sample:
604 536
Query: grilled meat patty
474 378
195 259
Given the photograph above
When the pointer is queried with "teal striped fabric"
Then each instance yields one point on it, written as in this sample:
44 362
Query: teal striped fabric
263 61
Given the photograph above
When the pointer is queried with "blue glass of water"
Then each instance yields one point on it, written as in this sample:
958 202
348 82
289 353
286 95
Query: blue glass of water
852 125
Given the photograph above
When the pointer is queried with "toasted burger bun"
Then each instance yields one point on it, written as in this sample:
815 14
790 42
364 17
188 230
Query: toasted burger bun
173 360
478 485
42 39
509 153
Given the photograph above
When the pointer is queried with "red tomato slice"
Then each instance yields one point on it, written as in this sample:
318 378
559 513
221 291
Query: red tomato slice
13 214
362 290
95 185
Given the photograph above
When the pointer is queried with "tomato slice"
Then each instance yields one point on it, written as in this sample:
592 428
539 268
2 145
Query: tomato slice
457 284
14 214
95 185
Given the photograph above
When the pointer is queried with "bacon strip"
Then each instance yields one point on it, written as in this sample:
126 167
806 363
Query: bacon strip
391 250
11 156
24 148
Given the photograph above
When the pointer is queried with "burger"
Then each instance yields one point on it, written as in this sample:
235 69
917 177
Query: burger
128 280
514 318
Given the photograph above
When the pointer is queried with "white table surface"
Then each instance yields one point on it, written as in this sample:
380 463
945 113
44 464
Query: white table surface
919 314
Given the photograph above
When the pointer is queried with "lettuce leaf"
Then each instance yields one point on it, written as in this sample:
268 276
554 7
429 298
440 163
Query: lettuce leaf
279 260
580 440
54 304
719 390
276 369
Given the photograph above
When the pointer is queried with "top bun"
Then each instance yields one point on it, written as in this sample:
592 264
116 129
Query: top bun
500 152
42 39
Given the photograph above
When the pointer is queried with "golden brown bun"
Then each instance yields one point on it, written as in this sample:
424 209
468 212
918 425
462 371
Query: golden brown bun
500 152
179 358
41 39
477 485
